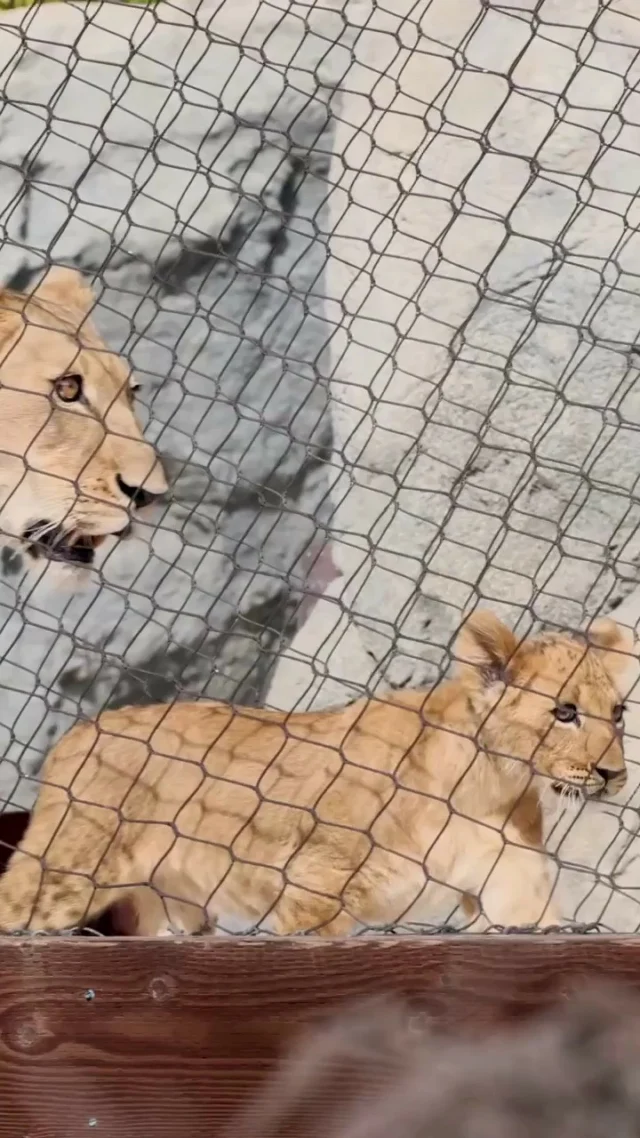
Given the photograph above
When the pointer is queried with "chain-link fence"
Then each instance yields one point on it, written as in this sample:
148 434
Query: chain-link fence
373 264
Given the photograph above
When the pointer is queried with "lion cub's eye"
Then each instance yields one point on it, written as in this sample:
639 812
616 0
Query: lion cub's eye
618 712
68 388
566 713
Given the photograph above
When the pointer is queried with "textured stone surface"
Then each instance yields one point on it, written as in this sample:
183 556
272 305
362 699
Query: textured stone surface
189 185
483 274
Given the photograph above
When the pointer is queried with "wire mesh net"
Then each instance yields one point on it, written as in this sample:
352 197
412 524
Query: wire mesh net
373 265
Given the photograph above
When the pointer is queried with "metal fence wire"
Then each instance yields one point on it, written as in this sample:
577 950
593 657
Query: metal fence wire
374 267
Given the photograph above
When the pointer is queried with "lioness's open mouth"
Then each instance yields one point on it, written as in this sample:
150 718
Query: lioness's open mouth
568 790
577 792
72 547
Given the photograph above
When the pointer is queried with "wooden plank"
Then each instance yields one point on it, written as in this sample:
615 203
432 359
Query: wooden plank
129 1037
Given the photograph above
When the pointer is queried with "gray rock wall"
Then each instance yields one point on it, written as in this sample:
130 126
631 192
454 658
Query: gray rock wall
484 276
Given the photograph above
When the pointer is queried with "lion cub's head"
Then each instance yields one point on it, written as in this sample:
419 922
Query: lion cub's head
555 701
74 466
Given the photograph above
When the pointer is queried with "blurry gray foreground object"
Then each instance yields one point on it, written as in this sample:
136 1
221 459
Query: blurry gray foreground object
187 177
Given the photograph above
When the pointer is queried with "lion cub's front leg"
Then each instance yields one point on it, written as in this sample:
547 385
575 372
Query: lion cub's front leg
516 891
147 912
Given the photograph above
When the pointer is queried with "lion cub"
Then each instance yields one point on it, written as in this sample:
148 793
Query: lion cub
328 821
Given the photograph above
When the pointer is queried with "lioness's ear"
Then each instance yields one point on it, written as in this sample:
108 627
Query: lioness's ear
67 288
485 646
617 644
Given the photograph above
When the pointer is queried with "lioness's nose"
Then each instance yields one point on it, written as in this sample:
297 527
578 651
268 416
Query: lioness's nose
136 494
606 774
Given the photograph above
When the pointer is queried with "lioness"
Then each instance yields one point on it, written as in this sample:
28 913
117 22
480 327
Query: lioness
327 820
73 462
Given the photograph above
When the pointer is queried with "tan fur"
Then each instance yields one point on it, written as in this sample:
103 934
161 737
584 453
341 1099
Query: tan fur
60 461
320 820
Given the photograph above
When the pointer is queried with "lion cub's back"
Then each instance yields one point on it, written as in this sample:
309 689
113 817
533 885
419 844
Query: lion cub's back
294 758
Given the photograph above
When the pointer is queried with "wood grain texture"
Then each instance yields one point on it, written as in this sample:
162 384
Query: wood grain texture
130 1037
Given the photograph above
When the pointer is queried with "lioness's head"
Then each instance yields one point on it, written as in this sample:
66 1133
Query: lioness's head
74 466
554 700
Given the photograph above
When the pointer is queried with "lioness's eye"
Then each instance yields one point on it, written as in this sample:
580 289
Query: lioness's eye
566 712
68 388
618 712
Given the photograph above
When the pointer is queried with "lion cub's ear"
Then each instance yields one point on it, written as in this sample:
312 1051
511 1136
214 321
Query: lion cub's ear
485 648
66 288
617 645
